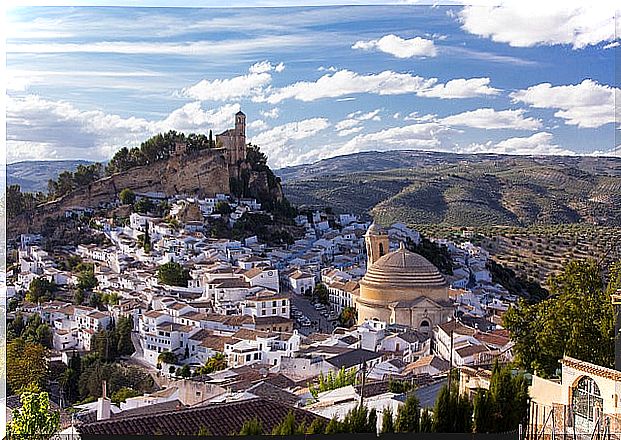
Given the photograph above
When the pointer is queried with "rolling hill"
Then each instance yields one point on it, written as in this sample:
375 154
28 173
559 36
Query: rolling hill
462 190
32 176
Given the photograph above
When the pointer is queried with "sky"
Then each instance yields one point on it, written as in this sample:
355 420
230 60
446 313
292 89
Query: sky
314 82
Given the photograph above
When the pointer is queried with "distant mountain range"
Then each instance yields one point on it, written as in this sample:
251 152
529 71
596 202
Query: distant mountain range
427 187
462 190
32 176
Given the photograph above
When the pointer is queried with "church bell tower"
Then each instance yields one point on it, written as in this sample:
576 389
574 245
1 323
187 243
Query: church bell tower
377 243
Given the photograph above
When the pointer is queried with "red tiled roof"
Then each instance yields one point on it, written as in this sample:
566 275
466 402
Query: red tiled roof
219 419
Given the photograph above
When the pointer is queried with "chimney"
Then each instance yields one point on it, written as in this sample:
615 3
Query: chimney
103 404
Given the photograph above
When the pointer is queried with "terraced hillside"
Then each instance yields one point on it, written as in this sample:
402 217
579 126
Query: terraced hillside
536 252
463 190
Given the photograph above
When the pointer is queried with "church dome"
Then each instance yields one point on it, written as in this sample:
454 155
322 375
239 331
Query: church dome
403 269
376 229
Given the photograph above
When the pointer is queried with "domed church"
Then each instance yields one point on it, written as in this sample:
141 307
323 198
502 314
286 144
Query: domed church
401 287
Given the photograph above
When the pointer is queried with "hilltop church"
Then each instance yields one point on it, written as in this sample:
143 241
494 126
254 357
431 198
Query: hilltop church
401 287
233 140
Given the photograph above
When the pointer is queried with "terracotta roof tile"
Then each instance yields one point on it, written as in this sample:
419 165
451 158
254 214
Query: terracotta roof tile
219 419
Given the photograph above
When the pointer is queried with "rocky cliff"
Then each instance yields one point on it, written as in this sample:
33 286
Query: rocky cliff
203 174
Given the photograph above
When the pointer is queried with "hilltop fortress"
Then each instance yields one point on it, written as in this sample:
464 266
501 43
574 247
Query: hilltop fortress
201 173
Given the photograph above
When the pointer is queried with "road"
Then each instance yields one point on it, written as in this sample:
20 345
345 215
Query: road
304 305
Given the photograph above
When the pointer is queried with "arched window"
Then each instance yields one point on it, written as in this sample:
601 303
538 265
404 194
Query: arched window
381 249
586 399
425 327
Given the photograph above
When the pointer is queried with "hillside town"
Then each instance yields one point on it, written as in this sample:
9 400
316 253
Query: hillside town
276 312
221 305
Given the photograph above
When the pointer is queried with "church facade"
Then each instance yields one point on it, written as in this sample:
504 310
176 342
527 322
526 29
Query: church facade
233 140
401 287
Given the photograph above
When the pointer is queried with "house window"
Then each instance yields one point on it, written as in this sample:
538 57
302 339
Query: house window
263 312
587 400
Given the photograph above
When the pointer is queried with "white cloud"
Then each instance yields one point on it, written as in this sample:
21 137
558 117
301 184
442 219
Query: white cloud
414 116
349 131
282 143
488 118
399 47
346 82
55 126
537 144
273 113
461 88
327 69
613 152
360 116
258 125
587 105
612 45
570 22
214 48
415 136
266 66
226 89
352 124
346 124
39 128
192 117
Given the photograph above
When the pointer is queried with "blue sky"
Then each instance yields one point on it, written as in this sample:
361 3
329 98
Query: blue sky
314 82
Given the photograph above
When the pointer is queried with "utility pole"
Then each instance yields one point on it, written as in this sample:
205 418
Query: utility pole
450 362
364 377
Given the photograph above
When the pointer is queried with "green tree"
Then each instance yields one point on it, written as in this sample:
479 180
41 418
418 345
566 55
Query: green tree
26 365
222 208
348 317
504 406
408 415
173 274
167 357
316 427
123 330
86 277
127 197
34 418
123 394
388 425
143 206
289 426
400 386
426 421
322 294
40 289
334 427
452 411
359 419
78 297
203 432
215 363
185 371
576 320
252 427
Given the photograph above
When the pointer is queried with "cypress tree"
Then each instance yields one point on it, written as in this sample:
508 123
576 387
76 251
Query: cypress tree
387 421
408 415
426 421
